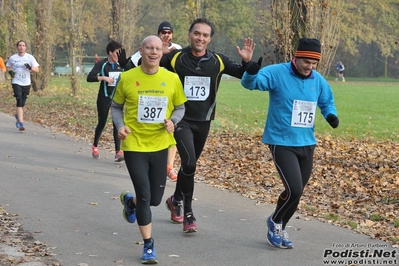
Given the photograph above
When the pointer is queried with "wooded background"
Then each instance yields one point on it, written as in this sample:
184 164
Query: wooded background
363 34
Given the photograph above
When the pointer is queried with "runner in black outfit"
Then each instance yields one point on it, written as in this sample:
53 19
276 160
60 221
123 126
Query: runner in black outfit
200 72
107 71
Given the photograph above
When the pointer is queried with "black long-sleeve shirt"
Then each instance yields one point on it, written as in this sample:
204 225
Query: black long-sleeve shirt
103 68
201 77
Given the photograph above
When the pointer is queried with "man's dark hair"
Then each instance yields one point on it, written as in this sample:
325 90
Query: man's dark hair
20 42
203 20
113 45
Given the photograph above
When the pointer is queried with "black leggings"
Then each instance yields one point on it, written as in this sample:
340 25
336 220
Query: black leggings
294 165
103 105
21 93
190 141
148 173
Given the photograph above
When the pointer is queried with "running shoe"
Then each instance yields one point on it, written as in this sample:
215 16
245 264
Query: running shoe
128 213
21 127
94 152
149 254
189 225
119 156
17 124
286 242
171 173
274 232
175 210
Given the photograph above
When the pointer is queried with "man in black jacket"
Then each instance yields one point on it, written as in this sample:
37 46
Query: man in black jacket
200 72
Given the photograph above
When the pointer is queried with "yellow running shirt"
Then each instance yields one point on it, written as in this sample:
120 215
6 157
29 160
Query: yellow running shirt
148 100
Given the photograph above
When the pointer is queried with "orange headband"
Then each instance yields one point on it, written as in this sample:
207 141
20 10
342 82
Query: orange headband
308 54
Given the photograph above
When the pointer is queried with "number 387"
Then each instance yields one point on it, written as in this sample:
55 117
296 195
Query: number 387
152 112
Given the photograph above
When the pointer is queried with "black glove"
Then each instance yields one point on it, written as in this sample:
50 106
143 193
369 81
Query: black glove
333 120
12 73
253 67
28 66
122 60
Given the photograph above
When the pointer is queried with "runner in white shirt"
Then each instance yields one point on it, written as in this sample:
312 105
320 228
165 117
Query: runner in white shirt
19 66
165 28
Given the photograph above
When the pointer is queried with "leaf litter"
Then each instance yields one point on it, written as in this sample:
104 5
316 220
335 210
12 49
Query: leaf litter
354 183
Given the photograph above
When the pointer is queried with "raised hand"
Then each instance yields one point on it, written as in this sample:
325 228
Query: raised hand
166 40
247 50
122 60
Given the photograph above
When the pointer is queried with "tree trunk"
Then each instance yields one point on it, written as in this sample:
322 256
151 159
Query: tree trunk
72 52
42 43
298 21
115 14
295 19
125 33
386 67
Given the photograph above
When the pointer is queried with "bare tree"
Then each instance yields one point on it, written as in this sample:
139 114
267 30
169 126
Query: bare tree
125 16
16 25
116 6
42 43
294 19
75 40
72 48
195 8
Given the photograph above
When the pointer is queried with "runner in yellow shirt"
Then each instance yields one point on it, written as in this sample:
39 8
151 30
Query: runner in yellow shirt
147 104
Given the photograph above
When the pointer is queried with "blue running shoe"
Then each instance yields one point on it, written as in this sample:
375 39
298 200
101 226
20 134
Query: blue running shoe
274 233
17 124
149 254
128 213
286 242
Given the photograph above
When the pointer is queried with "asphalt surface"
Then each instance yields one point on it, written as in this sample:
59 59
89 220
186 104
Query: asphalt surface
70 201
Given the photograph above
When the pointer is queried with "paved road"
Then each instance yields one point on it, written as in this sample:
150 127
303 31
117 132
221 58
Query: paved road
72 201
